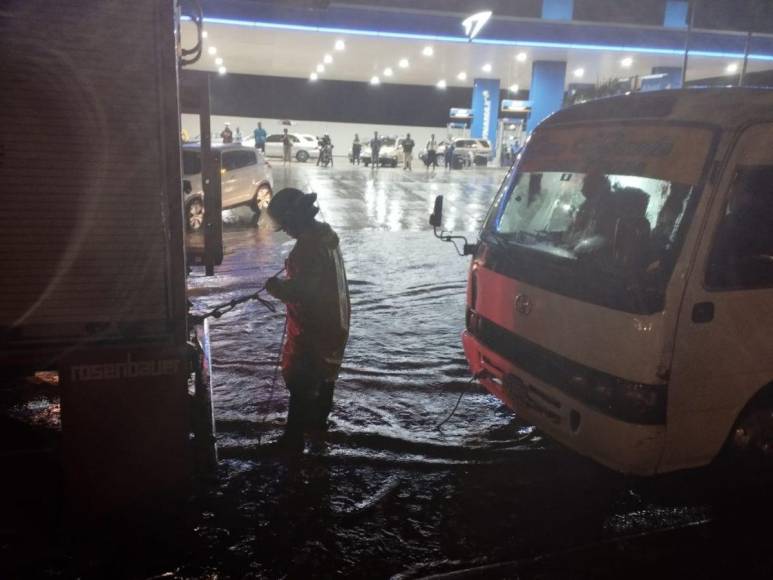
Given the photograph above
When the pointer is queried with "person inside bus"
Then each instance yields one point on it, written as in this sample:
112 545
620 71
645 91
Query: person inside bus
742 253
318 310
593 219
669 216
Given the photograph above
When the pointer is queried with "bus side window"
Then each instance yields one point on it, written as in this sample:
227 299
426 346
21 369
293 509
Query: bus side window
742 254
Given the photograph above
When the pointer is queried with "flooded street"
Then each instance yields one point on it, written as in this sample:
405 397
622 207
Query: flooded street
390 494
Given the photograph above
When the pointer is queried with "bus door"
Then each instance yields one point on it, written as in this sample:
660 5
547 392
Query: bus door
723 345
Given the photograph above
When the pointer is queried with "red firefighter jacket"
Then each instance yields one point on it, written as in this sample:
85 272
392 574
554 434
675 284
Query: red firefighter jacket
318 307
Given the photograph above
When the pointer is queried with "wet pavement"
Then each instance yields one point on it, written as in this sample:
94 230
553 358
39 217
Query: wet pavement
389 493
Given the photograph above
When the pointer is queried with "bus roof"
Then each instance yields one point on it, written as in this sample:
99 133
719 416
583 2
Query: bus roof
727 108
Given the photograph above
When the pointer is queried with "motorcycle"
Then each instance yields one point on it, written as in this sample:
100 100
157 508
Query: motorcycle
326 155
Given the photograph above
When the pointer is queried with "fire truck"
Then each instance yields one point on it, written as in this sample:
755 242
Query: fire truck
93 239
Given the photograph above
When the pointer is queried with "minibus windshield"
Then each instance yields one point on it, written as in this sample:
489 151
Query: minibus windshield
611 200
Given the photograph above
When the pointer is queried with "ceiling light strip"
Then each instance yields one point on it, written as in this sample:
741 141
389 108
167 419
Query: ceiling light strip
495 41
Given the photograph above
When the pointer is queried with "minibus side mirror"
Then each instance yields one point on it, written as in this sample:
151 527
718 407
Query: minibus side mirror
436 217
436 221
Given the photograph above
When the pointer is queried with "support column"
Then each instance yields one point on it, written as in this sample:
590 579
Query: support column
557 9
485 110
675 14
547 90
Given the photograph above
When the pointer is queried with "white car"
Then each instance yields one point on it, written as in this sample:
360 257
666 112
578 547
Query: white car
245 179
305 147
389 154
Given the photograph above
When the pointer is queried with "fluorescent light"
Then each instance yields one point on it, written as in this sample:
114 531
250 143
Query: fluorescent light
218 61
327 59
732 68
579 72
211 51
222 70
514 88
441 84
462 76
340 45
428 51
204 34
486 67
313 76
388 72
626 62
320 68
474 24
521 57
374 80
403 63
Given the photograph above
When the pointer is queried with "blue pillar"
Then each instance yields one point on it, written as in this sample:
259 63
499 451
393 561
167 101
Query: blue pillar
485 110
557 9
675 15
547 89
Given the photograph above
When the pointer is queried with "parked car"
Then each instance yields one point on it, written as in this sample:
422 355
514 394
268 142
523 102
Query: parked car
245 180
305 147
388 155
478 151
467 152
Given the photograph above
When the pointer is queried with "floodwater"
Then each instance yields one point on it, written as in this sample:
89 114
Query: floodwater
390 494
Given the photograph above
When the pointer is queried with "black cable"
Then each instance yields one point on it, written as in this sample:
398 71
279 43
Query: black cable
273 381
473 378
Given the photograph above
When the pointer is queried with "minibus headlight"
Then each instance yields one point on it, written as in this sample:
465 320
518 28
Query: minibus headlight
640 403
633 402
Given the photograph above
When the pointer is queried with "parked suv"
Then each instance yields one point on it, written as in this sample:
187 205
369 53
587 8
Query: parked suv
245 180
476 151
305 147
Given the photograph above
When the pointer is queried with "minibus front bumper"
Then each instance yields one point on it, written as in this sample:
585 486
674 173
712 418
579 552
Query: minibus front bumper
620 445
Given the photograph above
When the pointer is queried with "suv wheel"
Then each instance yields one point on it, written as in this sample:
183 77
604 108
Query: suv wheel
302 156
262 198
194 215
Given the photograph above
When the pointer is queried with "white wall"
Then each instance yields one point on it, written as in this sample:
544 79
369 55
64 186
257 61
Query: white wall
342 134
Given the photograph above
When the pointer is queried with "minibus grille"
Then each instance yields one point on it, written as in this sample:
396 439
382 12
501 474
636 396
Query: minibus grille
616 397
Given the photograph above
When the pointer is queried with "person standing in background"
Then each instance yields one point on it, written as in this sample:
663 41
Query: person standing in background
238 135
449 155
260 138
226 134
287 147
356 149
375 150
408 145
432 153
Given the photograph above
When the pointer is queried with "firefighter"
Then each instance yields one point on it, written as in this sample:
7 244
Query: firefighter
316 294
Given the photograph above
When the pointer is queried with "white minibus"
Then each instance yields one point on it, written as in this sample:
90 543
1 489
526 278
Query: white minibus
620 296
